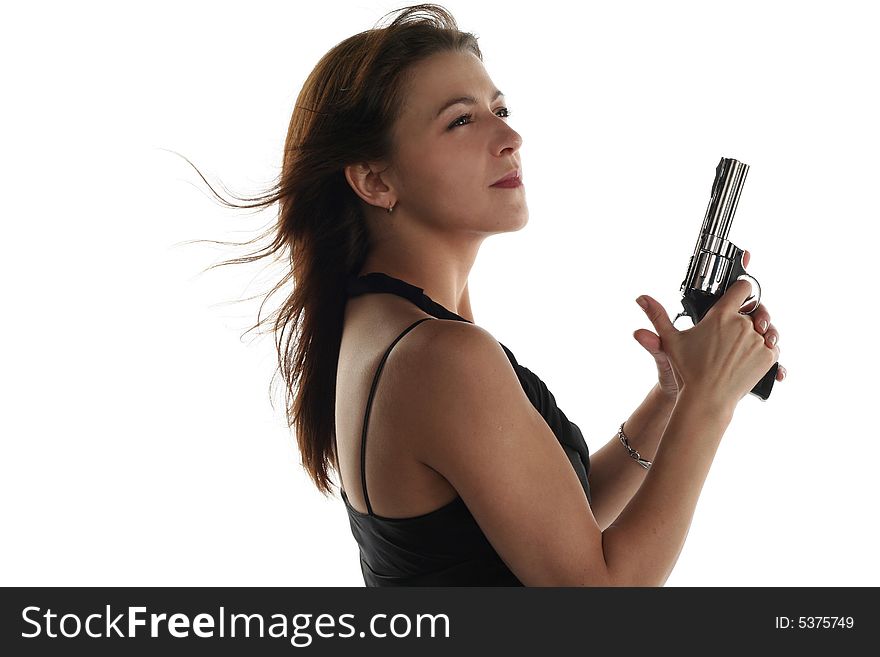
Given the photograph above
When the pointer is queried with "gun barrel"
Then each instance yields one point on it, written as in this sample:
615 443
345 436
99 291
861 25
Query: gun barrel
730 175
712 261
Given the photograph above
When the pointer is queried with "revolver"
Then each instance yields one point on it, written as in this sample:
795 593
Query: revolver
717 263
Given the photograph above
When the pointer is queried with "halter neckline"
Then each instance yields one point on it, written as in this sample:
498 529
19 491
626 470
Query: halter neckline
379 282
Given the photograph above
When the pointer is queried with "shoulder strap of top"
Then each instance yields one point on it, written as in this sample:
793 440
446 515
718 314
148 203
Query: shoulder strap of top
369 405
381 282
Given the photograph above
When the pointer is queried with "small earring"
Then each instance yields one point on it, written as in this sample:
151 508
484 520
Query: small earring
390 207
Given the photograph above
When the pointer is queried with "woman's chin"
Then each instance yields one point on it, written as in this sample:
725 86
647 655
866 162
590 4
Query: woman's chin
522 219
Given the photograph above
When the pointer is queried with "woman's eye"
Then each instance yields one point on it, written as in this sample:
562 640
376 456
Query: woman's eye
464 119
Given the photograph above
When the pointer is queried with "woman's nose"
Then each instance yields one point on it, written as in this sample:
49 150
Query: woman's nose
509 140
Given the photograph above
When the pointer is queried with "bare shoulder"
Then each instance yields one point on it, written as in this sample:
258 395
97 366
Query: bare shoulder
478 430
442 373
444 337
442 343
460 378
447 357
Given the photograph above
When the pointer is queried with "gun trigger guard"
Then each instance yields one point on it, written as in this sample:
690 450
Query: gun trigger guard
755 284
740 273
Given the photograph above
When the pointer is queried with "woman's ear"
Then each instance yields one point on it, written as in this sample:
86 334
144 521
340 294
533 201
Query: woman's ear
367 181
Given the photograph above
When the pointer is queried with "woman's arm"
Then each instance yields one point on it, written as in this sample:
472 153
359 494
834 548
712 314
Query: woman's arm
614 476
519 485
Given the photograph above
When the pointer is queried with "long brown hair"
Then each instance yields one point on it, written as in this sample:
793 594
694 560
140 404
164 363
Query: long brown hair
343 115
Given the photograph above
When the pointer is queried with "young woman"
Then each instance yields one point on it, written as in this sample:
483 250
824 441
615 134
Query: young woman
456 466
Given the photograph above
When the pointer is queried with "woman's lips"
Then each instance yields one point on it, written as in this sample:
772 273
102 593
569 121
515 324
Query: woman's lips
516 181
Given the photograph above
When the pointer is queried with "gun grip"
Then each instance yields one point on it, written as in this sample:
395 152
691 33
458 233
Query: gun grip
765 385
696 304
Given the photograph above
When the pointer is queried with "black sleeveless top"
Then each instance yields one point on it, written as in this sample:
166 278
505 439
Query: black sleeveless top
444 547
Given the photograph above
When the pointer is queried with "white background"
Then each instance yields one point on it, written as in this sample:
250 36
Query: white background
139 443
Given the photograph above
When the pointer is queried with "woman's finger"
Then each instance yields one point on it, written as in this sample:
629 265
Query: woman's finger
771 336
761 318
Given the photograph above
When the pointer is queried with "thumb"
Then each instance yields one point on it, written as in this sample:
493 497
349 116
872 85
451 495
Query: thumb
657 314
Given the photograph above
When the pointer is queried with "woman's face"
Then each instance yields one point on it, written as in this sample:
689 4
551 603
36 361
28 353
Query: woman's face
448 154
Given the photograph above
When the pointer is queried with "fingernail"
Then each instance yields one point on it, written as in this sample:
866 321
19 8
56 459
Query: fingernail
642 302
764 325
772 340
784 372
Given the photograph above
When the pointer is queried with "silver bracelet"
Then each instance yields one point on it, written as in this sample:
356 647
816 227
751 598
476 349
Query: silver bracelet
633 453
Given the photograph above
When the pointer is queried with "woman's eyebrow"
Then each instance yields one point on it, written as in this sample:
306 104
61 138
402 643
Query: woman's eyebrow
465 100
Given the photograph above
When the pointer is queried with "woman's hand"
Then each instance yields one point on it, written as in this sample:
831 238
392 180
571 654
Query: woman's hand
666 377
